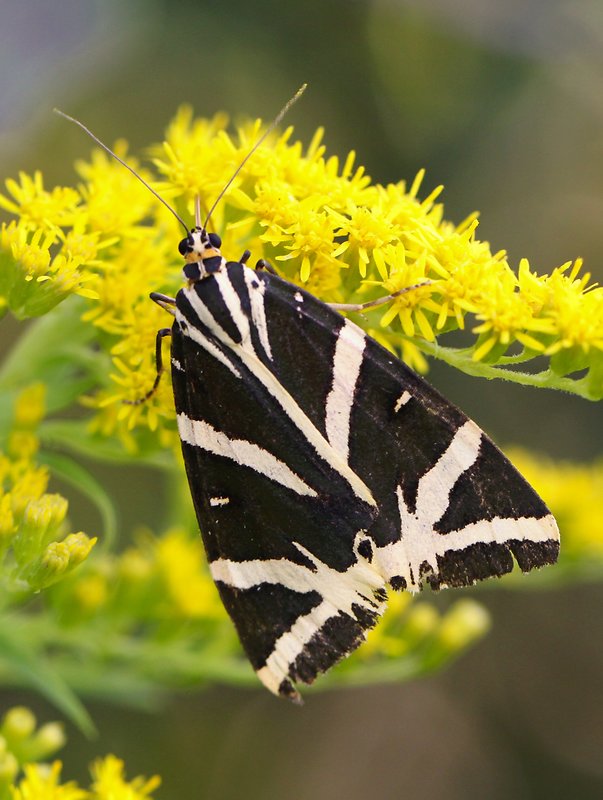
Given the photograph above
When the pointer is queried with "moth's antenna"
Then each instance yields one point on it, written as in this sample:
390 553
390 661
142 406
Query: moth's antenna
123 163
197 211
268 130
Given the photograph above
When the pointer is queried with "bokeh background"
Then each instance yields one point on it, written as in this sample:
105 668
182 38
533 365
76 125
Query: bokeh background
501 101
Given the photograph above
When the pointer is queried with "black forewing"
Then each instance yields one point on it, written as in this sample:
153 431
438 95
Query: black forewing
412 437
262 519
393 444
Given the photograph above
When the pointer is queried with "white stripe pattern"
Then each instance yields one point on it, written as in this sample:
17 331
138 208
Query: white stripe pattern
200 434
256 289
247 355
402 401
291 644
340 591
232 302
219 501
347 362
198 337
419 542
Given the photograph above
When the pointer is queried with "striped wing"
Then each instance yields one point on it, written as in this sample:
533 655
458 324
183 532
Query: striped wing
323 469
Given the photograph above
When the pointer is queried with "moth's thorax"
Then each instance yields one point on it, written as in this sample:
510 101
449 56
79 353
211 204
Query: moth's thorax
202 303
201 251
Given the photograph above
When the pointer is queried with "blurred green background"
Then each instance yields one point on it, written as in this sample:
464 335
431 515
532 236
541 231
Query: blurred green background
501 101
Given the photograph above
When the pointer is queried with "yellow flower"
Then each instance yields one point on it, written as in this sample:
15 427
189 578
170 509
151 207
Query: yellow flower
39 277
114 203
187 158
109 782
321 221
575 309
182 567
42 782
38 208
91 592
366 231
33 540
309 237
574 493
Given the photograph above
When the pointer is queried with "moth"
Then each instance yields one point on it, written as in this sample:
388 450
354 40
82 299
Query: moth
324 472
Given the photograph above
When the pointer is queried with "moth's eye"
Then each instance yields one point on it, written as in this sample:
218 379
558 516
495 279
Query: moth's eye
185 246
215 240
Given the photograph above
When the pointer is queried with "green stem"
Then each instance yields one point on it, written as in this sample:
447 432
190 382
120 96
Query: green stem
462 360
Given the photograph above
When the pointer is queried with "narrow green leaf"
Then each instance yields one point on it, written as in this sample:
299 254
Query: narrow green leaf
75 437
30 669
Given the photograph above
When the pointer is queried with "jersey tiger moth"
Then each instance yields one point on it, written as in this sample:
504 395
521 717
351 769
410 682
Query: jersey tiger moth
322 469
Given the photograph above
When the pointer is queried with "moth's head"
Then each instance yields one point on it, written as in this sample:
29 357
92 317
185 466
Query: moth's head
201 251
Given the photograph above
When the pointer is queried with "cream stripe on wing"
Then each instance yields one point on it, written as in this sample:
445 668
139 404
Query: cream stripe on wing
420 543
256 289
435 487
347 361
249 358
201 434
196 335
232 302
291 644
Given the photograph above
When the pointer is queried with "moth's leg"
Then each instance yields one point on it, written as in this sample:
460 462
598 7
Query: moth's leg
164 301
263 264
245 257
161 334
380 302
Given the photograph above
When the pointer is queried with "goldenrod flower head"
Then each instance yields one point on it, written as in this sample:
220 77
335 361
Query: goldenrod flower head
34 547
37 207
18 723
58 559
109 782
114 203
21 737
30 406
466 621
322 222
9 766
182 569
36 274
7 521
42 782
21 745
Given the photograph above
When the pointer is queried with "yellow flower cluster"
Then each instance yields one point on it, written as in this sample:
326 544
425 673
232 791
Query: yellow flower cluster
574 493
43 782
322 223
34 548
159 579
43 252
23 744
417 631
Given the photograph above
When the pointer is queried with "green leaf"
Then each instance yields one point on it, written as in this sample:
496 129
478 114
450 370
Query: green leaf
75 436
595 375
55 350
569 360
35 672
